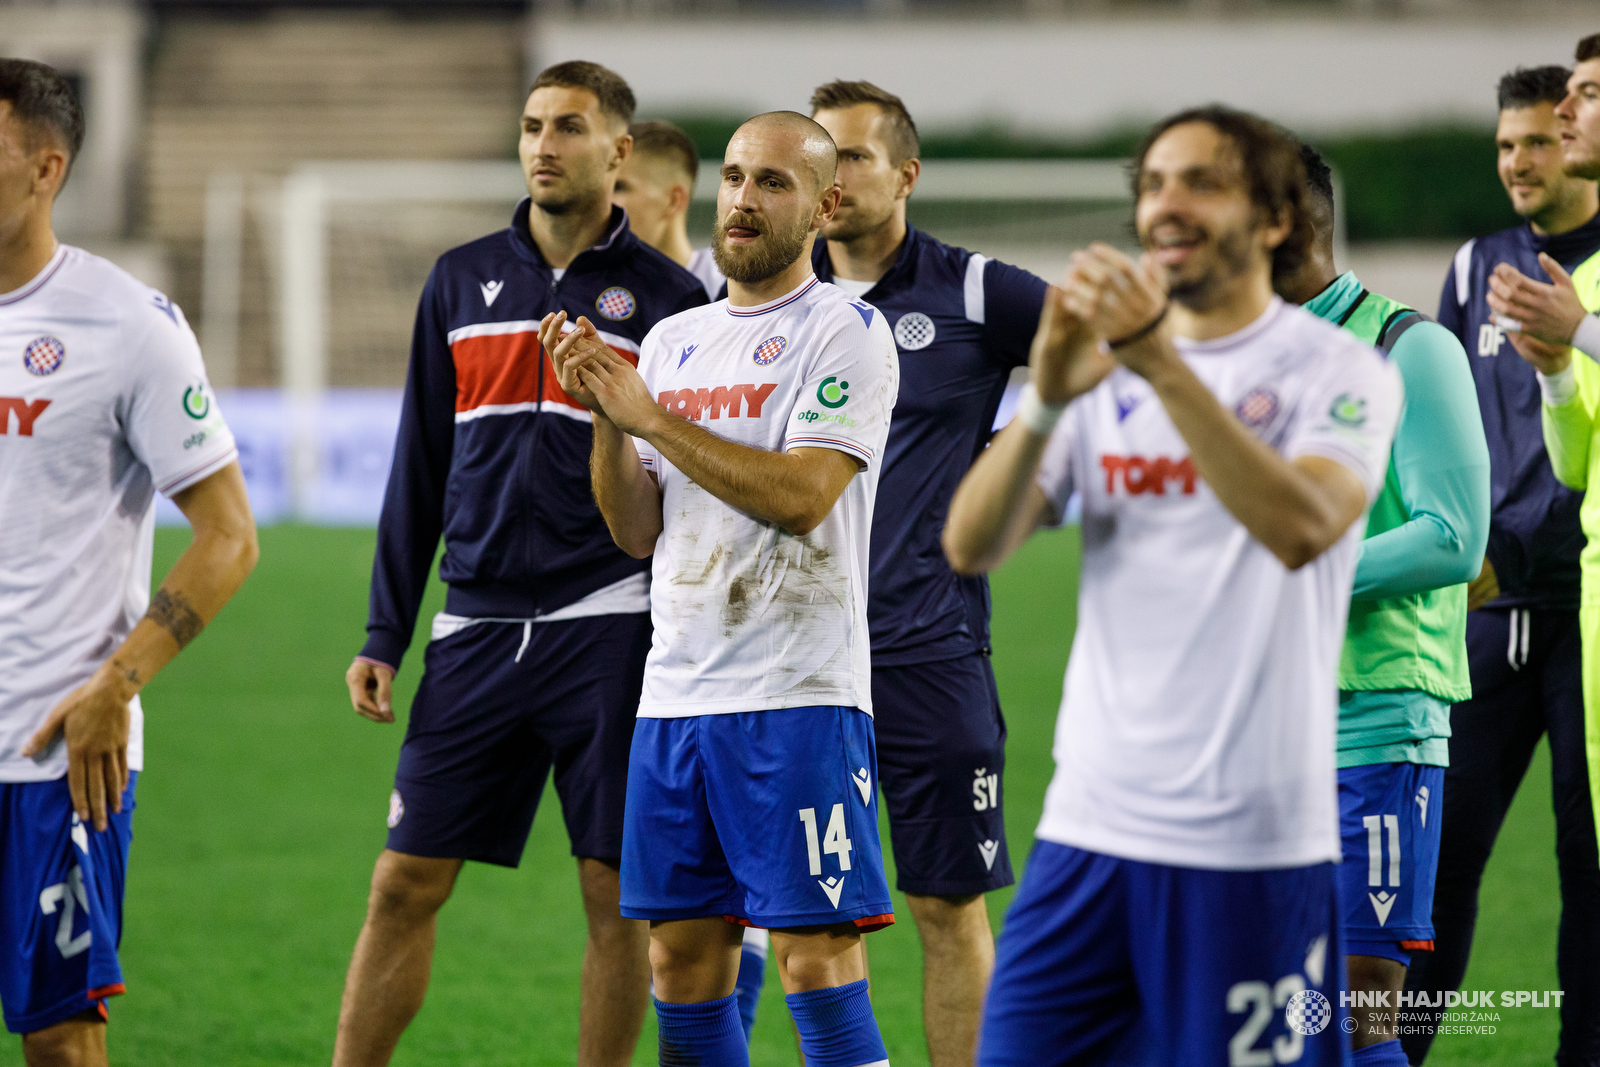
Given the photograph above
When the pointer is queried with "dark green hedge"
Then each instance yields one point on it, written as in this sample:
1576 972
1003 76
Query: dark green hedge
1436 184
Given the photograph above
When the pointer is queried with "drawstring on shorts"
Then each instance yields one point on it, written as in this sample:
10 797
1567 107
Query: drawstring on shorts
527 635
1517 647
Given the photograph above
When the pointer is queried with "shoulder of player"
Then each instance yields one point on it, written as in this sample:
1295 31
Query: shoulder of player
98 287
1325 344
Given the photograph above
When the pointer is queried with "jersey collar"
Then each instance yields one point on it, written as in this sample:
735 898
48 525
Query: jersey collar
37 282
902 268
1338 298
1218 345
617 240
773 305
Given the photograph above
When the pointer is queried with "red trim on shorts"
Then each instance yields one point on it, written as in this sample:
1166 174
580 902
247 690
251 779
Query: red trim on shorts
108 991
1417 946
867 923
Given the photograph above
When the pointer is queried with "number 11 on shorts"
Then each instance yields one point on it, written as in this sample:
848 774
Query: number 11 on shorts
834 841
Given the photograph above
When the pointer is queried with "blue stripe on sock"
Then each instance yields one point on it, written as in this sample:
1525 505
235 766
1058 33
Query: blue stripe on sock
837 1027
702 1035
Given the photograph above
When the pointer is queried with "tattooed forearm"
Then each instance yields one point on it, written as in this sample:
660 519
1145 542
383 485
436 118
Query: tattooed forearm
127 672
174 613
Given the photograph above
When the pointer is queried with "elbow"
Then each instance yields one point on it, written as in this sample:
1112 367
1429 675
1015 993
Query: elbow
962 556
637 547
802 522
1296 548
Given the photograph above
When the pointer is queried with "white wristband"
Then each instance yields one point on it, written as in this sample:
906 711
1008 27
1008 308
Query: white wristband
1559 389
1586 338
1035 414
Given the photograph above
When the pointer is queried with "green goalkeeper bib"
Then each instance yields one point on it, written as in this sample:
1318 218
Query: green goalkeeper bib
1409 642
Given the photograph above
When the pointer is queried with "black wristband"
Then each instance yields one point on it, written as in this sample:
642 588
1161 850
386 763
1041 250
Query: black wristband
1143 332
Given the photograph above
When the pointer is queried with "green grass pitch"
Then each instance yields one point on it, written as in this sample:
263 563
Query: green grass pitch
263 808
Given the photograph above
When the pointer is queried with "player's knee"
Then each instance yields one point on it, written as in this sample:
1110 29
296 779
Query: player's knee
1375 974
76 1042
410 886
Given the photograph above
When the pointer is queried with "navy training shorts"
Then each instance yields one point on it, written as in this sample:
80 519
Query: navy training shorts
941 765
500 704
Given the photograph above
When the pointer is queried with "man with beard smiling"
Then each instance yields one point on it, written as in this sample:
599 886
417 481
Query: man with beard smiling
535 662
961 322
744 453
1524 641
1180 904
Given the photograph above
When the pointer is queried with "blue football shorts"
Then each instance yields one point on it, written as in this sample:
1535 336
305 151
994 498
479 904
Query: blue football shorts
768 818
1108 961
1389 820
61 886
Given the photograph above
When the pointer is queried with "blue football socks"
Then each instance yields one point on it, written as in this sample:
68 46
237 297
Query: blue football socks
837 1028
702 1035
1383 1054
752 973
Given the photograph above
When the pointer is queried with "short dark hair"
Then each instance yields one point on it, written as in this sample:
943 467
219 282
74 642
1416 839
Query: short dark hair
616 99
663 140
1588 48
1319 176
1527 86
1270 158
903 141
43 100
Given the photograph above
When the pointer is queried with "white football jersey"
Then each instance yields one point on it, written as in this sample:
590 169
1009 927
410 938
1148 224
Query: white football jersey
1197 727
703 265
103 403
747 616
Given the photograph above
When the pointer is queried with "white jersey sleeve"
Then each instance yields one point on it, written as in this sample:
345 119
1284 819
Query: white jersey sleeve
1349 413
170 416
848 391
650 351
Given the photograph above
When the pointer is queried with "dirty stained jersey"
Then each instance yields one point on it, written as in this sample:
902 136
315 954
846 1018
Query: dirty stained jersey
747 616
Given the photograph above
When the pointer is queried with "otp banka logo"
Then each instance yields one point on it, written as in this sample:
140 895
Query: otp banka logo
1136 475
697 404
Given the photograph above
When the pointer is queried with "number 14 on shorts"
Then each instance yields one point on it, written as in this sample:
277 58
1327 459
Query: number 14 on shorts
835 842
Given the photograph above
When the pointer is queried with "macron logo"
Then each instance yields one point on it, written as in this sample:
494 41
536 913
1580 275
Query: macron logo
833 887
683 356
490 291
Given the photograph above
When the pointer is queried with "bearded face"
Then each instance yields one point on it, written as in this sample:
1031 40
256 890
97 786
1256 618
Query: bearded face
759 252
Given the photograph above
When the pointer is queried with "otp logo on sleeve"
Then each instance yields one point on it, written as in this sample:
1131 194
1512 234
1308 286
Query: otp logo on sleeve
615 303
769 350
44 355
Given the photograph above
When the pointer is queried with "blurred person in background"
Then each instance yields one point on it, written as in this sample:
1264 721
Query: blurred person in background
655 187
103 403
1180 905
1525 643
1405 653
962 322
537 659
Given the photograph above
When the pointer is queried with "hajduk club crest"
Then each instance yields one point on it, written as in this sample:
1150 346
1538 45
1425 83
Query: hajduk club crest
615 303
769 350
44 355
